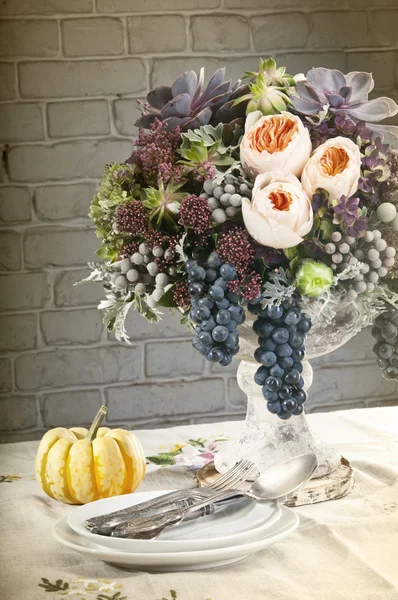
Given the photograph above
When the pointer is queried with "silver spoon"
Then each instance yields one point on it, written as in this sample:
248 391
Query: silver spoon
275 483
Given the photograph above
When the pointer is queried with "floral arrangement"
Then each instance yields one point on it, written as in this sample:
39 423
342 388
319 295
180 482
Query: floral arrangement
276 197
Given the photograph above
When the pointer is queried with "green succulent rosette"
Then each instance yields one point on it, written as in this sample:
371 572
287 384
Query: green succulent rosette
313 278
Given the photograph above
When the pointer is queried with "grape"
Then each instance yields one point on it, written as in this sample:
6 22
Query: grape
222 283
292 377
276 371
280 336
286 362
197 273
220 333
195 289
233 297
214 260
228 272
226 360
216 354
289 405
211 275
273 384
268 358
234 310
261 375
189 265
224 303
202 312
205 338
205 301
271 396
274 407
275 312
231 326
386 351
284 350
282 331
292 317
223 317
209 324
232 340
216 293
267 345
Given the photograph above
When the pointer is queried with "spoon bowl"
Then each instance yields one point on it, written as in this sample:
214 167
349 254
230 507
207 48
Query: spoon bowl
284 478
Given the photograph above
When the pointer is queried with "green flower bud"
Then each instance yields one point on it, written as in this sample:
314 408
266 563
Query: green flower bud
313 278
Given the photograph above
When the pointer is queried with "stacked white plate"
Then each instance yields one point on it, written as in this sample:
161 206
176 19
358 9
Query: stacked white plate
232 533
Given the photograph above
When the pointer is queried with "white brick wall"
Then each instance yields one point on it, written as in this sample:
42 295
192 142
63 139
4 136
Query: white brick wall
70 72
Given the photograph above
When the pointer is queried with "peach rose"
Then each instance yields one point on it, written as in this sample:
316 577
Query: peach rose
280 212
274 143
335 166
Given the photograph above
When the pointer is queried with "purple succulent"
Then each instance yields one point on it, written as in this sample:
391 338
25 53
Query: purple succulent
188 105
344 94
347 210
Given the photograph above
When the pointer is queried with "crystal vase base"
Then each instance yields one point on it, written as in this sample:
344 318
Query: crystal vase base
267 440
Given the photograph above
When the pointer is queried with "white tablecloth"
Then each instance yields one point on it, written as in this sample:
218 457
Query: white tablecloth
343 550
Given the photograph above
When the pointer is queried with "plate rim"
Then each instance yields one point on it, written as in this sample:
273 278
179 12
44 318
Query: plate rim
107 554
97 539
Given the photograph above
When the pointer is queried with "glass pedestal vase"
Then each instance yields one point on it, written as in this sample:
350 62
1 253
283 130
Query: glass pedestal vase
266 440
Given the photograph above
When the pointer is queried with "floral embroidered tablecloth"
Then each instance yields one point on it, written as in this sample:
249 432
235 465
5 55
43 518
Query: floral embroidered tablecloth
343 550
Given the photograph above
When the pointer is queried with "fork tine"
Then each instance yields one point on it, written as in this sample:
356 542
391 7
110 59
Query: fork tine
238 475
224 478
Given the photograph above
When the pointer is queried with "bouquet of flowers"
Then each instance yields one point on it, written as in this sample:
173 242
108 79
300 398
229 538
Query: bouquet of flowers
276 197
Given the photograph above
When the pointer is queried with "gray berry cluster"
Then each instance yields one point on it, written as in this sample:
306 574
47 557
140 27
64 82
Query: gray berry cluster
375 256
141 273
225 199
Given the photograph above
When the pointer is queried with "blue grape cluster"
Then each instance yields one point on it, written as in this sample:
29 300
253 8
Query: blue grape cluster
215 310
281 334
385 332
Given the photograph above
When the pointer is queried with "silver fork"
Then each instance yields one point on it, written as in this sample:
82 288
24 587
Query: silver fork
105 524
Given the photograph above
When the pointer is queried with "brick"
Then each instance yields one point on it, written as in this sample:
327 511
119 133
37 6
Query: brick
21 122
92 37
164 33
19 332
111 6
15 205
382 402
68 294
126 112
219 32
87 366
23 291
78 119
28 38
23 435
301 62
45 246
357 349
60 410
139 328
68 160
380 63
335 384
7 81
17 412
49 7
5 375
344 29
385 22
10 251
315 408
166 399
236 398
172 359
166 70
53 79
58 202
62 327
280 31
309 4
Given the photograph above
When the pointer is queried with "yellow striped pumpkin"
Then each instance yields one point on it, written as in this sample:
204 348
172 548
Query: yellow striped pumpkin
77 465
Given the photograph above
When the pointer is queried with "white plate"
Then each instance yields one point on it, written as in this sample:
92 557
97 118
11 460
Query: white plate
176 561
233 524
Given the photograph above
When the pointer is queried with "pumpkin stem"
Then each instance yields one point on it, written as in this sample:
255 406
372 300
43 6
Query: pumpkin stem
92 432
